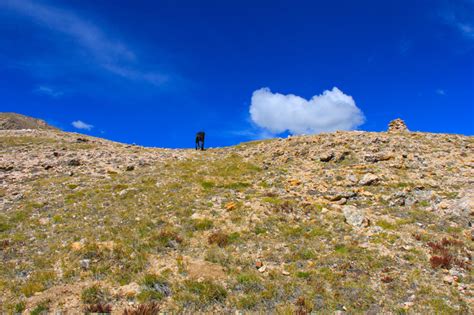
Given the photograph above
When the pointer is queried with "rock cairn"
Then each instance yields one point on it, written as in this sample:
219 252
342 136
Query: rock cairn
397 125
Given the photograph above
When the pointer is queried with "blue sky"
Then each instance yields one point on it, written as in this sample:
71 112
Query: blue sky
155 72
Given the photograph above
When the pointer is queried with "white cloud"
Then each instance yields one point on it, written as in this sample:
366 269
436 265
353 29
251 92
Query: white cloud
81 125
276 113
107 52
49 91
459 15
440 92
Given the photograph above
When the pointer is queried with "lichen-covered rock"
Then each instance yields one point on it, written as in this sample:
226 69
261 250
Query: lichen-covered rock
369 179
354 216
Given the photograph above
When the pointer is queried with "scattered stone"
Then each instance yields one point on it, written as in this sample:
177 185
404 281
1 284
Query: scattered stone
338 195
374 158
6 168
369 179
285 273
85 264
354 216
262 269
258 264
397 199
43 221
162 288
326 157
127 191
341 202
448 279
74 162
443 205
464 206
352 178
341 157
82 140
130 168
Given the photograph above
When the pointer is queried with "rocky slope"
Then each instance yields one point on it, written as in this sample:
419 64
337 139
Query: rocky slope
13 121
352 222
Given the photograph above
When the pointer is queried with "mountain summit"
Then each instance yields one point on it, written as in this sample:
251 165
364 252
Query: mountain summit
14 121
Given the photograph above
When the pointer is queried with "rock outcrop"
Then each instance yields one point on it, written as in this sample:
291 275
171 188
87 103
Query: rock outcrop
13 121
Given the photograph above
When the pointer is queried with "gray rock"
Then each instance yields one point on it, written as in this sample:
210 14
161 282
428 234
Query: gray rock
318 303
326 157
463 206
410 201
352 178
74 162
369 179
397 199
85 264
82 140
338 195
341 157
353 215
374 158
6 168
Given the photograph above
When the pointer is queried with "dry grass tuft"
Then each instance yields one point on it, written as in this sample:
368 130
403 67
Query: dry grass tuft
151 308
98 308
220 238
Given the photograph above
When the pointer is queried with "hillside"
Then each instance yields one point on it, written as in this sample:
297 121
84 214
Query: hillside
13 121
356 222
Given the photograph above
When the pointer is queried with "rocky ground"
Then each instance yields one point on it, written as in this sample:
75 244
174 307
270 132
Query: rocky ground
352 222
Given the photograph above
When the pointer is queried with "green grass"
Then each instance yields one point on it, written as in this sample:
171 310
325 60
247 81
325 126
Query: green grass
248 279
4 226
202 294
154 288
202 224
324 256
207 184
386 225
19 307
41 308
12 141
95 295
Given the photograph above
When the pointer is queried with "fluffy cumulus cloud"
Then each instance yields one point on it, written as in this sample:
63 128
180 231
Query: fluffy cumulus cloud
81 125
332 110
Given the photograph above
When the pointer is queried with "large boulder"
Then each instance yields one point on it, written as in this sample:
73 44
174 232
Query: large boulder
354 216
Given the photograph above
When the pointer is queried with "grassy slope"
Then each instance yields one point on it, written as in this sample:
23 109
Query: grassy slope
139 227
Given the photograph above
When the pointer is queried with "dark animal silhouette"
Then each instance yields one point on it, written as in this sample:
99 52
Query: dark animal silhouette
200 140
